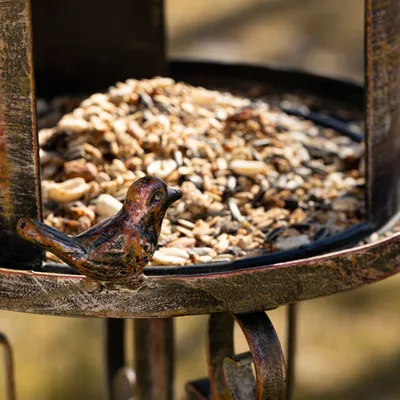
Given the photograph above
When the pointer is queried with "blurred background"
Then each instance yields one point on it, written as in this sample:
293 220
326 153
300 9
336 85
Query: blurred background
349 344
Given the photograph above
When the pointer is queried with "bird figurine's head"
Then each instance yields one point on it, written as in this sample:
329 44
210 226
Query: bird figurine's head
151 197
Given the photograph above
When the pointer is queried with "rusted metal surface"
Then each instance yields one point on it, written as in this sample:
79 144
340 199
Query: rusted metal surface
292 318
239 378
8 367
114 347
382 44
154 358
219 346
94 44
231 375
266 353
117 248
19 168
167 296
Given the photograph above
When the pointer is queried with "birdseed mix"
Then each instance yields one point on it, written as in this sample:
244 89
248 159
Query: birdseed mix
253 177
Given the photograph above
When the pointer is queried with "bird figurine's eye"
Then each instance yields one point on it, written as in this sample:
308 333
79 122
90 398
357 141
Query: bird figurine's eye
156 197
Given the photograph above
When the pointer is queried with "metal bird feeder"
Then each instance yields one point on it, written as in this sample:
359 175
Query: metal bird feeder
64 48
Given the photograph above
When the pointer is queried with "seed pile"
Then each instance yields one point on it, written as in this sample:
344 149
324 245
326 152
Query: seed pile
253 177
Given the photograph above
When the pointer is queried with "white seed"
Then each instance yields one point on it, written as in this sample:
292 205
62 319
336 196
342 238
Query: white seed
70 190
205 259
235 210
185 231
186 224
349 204
162 168
136 130
120 126
222 245
292 242
176 252
201 228
374 237
183 242
247 168
50 157
221 164
185 170
204 97
160 82
170 256
107 205
202 251
224 257
73 124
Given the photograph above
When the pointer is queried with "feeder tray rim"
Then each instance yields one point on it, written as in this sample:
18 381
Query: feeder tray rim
233 292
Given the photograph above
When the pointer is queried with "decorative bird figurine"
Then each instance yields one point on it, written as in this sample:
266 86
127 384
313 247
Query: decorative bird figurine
118 248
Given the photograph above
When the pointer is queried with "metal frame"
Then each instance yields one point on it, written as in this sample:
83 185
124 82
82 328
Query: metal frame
179 291
19 154
172 296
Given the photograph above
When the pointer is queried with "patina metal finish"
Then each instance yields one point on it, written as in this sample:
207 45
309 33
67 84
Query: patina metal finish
19 168
154 358
231 375
167 296
267 357
137 38
114 347
118 248
293 310
382 77
8 367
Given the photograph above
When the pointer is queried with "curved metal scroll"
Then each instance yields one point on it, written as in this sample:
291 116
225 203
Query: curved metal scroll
231 375
8 367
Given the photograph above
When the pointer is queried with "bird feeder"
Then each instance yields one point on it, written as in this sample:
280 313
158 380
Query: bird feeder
55 48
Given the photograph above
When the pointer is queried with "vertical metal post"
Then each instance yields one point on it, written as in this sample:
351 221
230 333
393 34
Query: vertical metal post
382 80
154 358
114 349
292 315
19 154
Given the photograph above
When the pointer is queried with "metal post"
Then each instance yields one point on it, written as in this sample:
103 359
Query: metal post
154 358
291 350
382 116
115 350
19 153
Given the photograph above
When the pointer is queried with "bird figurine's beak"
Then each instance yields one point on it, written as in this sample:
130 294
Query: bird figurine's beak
173 195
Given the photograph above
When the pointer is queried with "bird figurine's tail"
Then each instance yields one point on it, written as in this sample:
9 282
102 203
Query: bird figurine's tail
63 246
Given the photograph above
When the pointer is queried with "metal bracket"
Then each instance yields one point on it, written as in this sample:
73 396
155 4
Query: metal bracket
231 375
